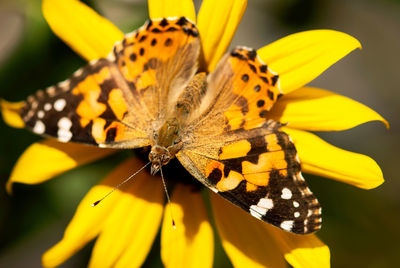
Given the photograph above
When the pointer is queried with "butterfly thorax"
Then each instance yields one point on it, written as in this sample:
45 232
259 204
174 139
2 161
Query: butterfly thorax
166 144
167 140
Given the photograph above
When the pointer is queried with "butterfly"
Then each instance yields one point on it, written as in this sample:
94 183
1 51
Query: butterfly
149 91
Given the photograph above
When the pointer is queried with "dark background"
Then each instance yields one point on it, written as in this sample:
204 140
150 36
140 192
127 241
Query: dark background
361 227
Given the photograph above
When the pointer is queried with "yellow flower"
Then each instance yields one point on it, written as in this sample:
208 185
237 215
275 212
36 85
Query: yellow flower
127 223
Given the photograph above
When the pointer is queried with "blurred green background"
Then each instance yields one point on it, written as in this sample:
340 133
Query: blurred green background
361 227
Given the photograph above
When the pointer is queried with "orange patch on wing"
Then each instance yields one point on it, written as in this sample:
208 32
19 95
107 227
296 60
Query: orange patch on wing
272 143
230 182
117 103
235 150
89 107
164 44
266 162
84 122
254 123
283 172
234 117
214 165
260 179
257 88
120 130
98 132
250 187
147 78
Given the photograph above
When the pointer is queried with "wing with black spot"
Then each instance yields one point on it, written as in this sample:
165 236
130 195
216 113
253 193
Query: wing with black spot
95 106
259 171
159 60
114 101
241 91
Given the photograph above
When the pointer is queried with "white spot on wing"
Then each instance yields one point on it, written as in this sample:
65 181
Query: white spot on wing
286 193
47 107
78 72
39 127
51 91
257 212
59 105
64 84
64 123
93 62
287 225
40 114
34 105
296 204
297 214
64 134
214 190
266 203
111 56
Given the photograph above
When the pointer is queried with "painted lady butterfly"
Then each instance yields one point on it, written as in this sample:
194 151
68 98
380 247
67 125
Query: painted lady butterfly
148 92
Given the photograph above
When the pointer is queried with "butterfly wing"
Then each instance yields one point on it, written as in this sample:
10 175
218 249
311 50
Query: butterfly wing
244 157
158 61
114 101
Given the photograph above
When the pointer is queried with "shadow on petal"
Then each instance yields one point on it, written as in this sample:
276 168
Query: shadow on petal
301 250
217 22
245 239
131 227
191 243
88 221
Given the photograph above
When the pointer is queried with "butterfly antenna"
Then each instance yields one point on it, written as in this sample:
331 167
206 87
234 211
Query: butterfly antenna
119 185
168 199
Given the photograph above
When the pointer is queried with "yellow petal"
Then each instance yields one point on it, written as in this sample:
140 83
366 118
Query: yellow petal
88 221
191 243
301 57
323 159
48 158
245 239
85 31
173 8
9 111
217 22
129 230
321 110
301 250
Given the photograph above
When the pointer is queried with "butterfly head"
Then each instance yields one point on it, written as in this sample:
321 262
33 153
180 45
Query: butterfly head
158 157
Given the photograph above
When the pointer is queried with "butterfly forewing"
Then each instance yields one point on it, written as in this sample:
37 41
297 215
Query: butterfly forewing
114 101
158 61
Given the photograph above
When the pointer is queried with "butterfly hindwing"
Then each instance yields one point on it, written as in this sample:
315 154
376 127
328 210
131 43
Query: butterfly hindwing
259 171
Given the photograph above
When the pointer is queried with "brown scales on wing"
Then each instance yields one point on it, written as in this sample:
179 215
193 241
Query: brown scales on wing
167 140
